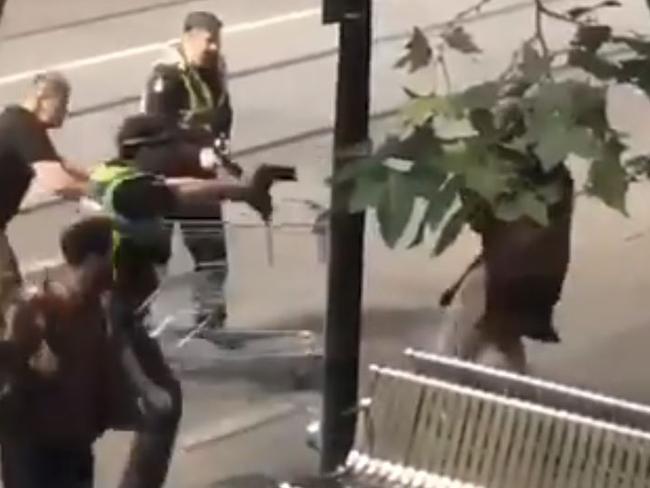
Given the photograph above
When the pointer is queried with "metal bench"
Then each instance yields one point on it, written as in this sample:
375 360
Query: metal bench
429 432
538 391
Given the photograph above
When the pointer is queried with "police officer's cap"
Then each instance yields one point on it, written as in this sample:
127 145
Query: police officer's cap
203 20
144 129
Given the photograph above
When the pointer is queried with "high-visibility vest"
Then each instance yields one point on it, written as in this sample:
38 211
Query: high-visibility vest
201 99
105 179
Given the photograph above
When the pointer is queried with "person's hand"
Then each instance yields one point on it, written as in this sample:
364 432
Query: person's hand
233 168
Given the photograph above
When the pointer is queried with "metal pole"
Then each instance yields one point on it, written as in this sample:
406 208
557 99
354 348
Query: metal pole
345 278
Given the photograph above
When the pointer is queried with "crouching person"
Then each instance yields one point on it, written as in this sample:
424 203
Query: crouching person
54 404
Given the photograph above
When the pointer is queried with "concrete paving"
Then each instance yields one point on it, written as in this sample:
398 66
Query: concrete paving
282 83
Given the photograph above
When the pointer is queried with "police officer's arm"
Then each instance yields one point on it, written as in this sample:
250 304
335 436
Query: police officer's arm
148 197
194 195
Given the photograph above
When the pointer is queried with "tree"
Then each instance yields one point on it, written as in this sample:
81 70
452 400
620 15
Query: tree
503 171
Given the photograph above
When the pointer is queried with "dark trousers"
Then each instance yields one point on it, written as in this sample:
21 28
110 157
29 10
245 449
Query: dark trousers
206 243
33 465
147 396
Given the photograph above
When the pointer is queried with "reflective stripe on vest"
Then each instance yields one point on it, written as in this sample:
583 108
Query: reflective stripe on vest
201 100
104 181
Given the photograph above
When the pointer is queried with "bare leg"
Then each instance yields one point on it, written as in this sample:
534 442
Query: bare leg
470 337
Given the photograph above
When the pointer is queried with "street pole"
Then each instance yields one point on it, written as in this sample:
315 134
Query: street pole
345 273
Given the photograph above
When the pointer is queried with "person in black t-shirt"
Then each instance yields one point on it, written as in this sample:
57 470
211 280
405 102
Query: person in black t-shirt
26 154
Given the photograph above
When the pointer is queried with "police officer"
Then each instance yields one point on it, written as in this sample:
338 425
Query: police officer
189 88
137 201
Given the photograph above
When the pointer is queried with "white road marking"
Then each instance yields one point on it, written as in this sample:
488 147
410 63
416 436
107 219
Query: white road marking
156 46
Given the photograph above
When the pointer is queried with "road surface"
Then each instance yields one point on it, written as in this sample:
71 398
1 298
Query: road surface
282 64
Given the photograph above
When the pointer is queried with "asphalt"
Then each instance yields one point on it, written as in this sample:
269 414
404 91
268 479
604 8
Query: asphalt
239 412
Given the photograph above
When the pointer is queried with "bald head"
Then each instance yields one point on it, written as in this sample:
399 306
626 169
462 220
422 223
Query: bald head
48 98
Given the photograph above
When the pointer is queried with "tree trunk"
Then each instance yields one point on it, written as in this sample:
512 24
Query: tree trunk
511 290
526 266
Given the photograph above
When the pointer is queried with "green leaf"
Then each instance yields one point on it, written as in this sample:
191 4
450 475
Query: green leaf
483 121
418 54
370 166
552 192
441 201
637 72
483 95
420 110
637 44
489 177
395 208
451 230
522 204
577 12
590 108
533 65
552 144
638 166
608 179
554 134
591 37
593 64
558 142
419 235
535 208
367 192
459 39
554 98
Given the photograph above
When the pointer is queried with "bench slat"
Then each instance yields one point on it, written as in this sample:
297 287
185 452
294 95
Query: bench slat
430 433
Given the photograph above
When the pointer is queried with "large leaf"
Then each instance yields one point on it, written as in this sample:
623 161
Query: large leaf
638 44
483 95
367 192
420 110
555 136
419 234
576 13
558 141
395 208
522 204
440 202
638 166
370 165
552 192
533 65
418 54
590 108
593 64
483 121
489 177
591 37
459 39
637 72
608 179
451 230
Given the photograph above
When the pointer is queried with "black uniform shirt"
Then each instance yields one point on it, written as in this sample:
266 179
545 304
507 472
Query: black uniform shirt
167 94
23 141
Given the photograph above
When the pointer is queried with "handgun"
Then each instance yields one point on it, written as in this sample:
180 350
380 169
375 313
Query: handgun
274 173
